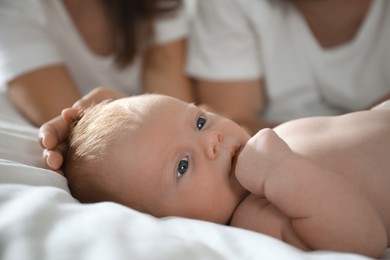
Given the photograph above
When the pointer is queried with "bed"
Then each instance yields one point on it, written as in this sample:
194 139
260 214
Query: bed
39 219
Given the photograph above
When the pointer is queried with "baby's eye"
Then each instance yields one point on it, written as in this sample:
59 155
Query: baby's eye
200 122
182 167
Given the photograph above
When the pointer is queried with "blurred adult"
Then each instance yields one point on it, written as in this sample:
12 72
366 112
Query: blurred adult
54 52
264 62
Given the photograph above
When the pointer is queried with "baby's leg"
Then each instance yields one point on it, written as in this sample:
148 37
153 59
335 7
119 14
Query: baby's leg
383 105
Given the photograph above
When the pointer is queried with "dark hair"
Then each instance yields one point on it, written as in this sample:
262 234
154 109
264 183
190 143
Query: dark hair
132 22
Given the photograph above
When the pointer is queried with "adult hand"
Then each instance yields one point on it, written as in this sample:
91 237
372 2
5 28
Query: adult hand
53 134
259 159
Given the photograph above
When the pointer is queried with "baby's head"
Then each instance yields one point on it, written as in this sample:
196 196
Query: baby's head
89 165
158 155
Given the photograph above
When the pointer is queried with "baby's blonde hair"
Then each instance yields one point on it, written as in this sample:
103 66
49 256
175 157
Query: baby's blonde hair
91 139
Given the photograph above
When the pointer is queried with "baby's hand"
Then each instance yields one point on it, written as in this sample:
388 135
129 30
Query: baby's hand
259 158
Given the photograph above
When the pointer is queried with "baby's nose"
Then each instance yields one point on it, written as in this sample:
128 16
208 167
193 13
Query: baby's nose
212 144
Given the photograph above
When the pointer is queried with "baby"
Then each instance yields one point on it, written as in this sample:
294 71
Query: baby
318 183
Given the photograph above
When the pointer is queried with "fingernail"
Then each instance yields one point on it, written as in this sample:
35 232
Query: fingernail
43 141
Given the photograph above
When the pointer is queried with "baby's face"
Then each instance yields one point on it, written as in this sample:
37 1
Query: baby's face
180 161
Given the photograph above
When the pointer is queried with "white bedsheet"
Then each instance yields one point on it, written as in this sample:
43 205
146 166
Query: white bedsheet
39 219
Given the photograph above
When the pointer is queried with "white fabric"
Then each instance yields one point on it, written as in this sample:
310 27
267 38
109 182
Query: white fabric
18 138
251 39
47 223
38 33
40 220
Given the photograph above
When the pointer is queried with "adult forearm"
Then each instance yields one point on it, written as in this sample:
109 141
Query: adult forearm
172 84
42 94
39 108
241 101
164 71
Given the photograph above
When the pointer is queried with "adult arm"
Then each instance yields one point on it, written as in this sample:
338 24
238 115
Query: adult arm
326 211
241 101
225 61
40 95
164 71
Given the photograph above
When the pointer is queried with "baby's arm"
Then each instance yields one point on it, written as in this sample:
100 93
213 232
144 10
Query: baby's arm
325 210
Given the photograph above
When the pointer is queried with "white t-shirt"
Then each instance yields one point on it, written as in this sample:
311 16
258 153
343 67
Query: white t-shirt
38 33
269 39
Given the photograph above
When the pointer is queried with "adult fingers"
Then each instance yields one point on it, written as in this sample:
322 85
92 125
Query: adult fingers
53 159
56 130
53 132
70 115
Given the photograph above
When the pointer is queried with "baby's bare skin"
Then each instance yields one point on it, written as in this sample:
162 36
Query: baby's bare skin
322 184
360 154
355 147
